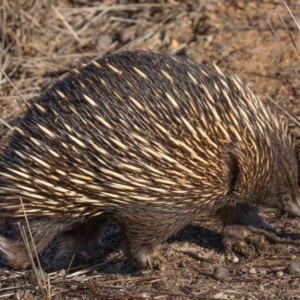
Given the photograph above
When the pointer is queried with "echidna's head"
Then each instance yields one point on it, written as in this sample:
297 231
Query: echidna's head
286 183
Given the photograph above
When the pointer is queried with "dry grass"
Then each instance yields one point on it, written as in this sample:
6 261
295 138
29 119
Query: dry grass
42 40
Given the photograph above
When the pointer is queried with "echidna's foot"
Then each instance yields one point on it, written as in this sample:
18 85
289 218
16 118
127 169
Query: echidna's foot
42 231
246 240
244 230
143 258
81 243
62 260
14 254
155 261
66 258
152 261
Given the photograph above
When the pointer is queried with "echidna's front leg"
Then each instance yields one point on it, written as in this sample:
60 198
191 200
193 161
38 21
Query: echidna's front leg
244 230
144 229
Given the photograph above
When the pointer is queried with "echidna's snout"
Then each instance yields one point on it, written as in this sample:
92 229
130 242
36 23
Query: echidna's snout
286 187
295 208
290 204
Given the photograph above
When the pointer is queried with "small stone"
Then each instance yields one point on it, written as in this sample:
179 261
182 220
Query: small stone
104 41
252 271
262 271
220 295
231 257
220 273
235 259
293 268
279 273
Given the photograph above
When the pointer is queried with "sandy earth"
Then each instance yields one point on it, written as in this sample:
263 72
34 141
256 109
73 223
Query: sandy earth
42 40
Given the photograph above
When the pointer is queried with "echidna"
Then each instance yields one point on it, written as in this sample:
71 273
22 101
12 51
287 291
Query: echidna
149 141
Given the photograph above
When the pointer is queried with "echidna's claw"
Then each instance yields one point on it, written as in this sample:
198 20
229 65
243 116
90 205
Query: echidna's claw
150 264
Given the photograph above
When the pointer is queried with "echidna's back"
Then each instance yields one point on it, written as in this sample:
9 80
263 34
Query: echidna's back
135 127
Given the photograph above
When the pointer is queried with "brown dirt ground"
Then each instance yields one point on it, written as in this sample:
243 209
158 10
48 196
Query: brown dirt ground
41 40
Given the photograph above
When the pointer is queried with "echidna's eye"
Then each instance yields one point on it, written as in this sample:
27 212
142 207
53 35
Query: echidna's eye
285 198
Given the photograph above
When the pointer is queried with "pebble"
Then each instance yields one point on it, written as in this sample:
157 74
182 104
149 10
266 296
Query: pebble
220 295
293 268
235 259
103 41
220 273
279 274
262 271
